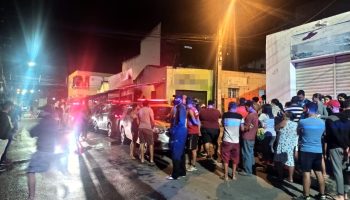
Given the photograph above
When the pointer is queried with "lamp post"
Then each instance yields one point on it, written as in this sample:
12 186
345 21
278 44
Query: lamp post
222 35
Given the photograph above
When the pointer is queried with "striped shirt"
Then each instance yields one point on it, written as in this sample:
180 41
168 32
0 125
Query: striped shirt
296 110
232 123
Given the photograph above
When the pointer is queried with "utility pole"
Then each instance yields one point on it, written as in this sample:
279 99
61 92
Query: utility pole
218 69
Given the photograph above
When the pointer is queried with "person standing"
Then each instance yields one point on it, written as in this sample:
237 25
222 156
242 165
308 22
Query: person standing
146 119
241 109
323 114
321 109
341 98
251 124
210 128
230 150
193 133
286 146
311 131
134 128
276 107
267 120
295 109
256 104
48 137
338 143
6 132
333 107
302 100
178 139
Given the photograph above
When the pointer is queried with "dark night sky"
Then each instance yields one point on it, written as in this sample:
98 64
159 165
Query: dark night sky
99 35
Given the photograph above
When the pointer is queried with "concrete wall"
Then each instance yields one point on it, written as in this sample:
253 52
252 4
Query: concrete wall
280 72
96 79
155 75
189 79
149 53
248 83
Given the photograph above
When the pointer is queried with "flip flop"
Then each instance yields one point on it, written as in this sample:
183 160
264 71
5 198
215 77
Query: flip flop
224 178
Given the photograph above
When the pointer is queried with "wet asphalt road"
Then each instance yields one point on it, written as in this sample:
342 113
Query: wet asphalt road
105 171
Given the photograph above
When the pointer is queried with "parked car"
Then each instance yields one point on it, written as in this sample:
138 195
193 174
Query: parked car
106 117
160 130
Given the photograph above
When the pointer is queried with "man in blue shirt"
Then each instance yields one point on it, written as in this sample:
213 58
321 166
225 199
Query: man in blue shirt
178 139
310 131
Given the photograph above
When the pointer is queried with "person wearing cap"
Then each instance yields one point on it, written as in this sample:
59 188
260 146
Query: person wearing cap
178 138
338 143
333 107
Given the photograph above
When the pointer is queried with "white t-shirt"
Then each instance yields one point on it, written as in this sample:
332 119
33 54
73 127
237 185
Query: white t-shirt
268 124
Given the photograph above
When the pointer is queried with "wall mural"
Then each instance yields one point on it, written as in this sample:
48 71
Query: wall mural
324 40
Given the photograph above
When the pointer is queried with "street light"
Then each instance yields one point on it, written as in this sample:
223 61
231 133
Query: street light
31 64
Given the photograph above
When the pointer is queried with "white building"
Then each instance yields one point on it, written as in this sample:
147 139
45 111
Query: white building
314 57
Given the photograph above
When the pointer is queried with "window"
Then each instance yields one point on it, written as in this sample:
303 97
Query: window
233 92
81 82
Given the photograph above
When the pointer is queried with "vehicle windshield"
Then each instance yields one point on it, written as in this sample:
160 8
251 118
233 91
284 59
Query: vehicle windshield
161 113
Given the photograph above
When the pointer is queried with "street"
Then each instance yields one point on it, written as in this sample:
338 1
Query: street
105 171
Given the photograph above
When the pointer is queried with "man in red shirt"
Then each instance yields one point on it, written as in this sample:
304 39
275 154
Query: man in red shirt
210 128
241 108
248 135
193 134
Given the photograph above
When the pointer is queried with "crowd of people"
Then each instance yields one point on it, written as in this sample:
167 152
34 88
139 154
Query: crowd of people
311 135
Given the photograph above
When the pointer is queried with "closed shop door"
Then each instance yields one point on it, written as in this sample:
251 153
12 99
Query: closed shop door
343 78
328 76
316 79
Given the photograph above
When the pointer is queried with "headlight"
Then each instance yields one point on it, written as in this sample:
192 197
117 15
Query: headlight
159 130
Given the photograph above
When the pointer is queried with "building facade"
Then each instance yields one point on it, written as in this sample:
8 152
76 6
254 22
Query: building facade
314 57
85 83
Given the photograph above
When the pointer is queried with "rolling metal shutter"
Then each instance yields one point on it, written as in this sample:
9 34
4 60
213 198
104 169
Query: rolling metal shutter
328 76
343 78
316 79
342 69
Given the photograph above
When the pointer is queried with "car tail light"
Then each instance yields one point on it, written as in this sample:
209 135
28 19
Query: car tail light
117 116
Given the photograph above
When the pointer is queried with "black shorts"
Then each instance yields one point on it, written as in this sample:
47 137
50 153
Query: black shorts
310 161
210 135
192 141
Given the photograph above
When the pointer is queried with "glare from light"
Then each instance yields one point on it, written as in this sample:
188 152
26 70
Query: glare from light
31 63
53 98
24 91
34 30
32 91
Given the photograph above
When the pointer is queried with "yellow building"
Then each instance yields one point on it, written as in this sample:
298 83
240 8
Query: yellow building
84 83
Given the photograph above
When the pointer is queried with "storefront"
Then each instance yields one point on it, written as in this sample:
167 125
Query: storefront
314 57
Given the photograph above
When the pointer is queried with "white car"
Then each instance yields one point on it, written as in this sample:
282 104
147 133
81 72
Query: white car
160 130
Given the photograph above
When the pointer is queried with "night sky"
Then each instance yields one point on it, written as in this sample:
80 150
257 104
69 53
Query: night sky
99 35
